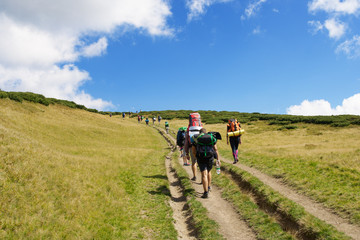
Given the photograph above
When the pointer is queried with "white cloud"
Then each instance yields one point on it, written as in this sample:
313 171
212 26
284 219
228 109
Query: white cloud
349 105
350 47
276 10
336 28
95 49
56 82
256 31
39 36
335 6
316 26
198 7
335 10
252 8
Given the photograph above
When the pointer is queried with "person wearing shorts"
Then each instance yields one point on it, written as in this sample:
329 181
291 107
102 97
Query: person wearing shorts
205 166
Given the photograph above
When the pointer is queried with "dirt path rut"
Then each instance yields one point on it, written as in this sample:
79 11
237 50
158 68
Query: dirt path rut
178 203
309 205
220 210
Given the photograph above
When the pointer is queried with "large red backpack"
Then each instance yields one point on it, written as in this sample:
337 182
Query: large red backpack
234 125
194 120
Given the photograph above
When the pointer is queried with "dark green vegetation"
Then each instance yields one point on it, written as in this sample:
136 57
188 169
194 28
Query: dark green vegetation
212 117
209 117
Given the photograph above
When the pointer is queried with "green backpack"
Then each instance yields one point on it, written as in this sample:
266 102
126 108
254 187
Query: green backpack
205 146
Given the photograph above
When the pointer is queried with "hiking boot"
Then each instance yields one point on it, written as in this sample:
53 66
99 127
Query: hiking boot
209 189
205 195
194 178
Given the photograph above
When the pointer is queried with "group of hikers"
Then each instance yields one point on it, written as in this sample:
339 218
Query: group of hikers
197 144
141 118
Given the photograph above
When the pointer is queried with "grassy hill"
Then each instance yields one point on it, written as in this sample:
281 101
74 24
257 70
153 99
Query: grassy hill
69 173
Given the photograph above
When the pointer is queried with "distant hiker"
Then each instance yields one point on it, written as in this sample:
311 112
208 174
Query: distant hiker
142 117
139 118
154 120
205 150
194 128
110 114
123 114
234 132
180 141
159 119
147 121
167 127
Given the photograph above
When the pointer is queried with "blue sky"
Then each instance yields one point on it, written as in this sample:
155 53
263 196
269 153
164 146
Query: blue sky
268 56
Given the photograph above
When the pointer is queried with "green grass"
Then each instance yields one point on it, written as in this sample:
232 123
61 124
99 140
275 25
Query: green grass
336 187
264 226
68 173
308 225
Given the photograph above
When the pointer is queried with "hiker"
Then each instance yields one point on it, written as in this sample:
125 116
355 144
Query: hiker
205 150
139 118
234 128
159 119
180 141
167 127
194 127
123 115
147 121
154 120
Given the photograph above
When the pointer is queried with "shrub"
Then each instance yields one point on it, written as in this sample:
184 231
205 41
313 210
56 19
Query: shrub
340 124
14 96
3 94
288 127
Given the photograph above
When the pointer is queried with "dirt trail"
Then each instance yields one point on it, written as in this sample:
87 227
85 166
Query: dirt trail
220 210
178 203
309 205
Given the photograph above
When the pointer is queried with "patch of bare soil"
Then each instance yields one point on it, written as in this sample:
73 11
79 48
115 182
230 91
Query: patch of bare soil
312 207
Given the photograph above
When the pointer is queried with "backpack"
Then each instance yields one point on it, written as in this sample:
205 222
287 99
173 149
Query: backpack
204 147
180 137
194 120
234 125
166 124
217 135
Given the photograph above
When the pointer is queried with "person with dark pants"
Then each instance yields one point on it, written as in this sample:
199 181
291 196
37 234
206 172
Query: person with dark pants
234 126
234 143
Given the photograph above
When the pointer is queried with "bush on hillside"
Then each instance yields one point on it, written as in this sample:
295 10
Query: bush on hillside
273 119
38 98
3 94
